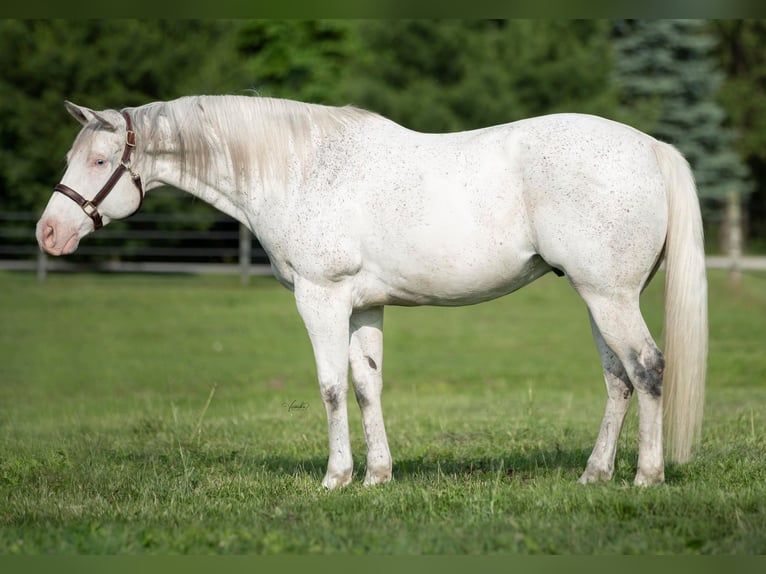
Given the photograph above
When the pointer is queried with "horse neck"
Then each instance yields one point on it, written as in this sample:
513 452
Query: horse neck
204 156
167 169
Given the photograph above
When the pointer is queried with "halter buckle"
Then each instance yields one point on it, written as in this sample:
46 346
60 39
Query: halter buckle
130 138
89 208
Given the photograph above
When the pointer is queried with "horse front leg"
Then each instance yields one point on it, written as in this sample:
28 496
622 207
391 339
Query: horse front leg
325 311
366 359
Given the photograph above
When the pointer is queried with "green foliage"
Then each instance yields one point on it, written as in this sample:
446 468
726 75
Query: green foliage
305 60
740 49
100 64
107 447
668 82
453 75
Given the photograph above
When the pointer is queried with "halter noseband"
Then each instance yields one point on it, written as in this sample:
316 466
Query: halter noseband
90 207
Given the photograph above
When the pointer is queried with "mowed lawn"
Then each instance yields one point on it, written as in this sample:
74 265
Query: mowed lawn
156 414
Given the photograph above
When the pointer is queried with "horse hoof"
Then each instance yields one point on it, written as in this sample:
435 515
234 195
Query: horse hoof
592 475
331 481
374 477
649 478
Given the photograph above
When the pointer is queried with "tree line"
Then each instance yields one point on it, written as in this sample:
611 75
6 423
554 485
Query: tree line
698 84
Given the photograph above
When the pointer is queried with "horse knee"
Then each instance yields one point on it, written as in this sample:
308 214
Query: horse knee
333 395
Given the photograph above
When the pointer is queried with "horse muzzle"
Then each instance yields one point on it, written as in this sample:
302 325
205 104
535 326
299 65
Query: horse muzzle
56 238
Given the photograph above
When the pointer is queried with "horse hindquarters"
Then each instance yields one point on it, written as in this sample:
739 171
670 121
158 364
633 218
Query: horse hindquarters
630 357
606 229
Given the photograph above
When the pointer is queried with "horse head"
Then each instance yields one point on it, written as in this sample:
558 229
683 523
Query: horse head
93 190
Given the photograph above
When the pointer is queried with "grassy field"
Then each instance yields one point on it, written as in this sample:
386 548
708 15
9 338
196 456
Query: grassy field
151 415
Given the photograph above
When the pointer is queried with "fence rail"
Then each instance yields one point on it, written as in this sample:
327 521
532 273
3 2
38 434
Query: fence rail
149 243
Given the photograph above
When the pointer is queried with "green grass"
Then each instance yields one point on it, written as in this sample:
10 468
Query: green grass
147 415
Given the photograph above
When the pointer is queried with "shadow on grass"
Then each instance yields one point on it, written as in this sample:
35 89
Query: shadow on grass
568 465
518 466
563 464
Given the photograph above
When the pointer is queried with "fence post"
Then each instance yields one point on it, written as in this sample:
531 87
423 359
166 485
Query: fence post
734 242
245 248
42 266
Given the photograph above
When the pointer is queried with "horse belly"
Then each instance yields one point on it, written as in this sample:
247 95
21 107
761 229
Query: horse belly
457 288
452 273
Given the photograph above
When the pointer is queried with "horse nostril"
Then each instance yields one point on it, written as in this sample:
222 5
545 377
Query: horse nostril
49 235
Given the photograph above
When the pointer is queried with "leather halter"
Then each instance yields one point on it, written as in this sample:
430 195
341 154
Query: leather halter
90 206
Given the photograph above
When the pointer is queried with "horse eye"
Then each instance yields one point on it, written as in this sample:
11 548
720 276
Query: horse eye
100 162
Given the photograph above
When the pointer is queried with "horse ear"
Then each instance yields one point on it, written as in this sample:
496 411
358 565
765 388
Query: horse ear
86 115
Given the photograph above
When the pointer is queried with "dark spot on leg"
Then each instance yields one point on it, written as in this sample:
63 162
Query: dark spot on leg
372 364
649 371
614 367
331 396
361 399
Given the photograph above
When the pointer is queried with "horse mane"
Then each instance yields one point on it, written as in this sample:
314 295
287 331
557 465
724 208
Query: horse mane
259 135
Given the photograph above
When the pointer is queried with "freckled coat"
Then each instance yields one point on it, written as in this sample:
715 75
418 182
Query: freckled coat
357 212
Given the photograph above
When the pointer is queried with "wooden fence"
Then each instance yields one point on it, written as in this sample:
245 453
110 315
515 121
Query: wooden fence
147 243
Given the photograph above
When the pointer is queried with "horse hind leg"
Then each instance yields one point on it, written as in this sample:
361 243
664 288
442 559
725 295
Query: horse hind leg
623 330
619 391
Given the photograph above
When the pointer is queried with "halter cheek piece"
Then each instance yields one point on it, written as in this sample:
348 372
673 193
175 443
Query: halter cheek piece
90 207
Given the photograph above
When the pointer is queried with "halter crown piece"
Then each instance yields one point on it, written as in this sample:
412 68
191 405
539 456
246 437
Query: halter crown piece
90 207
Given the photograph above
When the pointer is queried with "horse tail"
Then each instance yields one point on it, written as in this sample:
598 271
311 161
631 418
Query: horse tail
685 329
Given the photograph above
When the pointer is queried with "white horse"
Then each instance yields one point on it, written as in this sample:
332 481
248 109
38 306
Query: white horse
356 212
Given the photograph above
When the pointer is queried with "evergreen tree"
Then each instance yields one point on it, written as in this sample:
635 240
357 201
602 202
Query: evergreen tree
668 83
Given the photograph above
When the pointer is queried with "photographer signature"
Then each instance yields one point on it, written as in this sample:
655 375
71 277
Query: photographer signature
295 406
